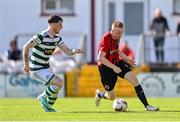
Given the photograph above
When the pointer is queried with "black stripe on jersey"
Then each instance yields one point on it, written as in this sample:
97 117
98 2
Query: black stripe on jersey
60 43
56 36
40 37
38 56
47 36
33 40
60 39
37 63
35 69
49 43
39 48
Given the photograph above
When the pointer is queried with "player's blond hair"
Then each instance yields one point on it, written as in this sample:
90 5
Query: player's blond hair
117 24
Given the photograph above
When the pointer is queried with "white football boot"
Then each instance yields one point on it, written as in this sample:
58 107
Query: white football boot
44 104
151 108
97 99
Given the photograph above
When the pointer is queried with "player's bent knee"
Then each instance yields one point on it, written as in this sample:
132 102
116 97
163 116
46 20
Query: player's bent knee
60 83
57 81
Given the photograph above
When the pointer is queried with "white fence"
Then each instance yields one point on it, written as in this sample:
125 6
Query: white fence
20 85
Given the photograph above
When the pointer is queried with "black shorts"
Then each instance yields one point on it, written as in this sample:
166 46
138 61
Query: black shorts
109 77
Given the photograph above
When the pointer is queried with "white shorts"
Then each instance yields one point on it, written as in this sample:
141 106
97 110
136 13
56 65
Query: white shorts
43 75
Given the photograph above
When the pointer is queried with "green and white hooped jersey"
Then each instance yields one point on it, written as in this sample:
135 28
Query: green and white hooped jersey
43 50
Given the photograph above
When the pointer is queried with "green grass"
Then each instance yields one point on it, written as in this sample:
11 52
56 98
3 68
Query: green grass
83 109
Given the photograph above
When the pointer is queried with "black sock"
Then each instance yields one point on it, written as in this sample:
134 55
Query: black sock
141 95
101 95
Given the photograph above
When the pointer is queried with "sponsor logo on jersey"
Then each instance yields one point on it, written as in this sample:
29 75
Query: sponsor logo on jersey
48 51
112 51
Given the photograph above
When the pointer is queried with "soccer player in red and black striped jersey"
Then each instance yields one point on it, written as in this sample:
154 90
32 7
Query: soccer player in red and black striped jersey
111 66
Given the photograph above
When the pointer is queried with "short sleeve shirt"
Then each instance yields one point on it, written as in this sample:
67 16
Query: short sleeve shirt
110 46
44 49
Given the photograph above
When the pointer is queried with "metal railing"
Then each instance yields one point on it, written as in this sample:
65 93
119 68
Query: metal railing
146 51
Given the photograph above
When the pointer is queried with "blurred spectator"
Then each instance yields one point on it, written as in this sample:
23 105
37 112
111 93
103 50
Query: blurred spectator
178 29
11 60
14 53
158 28
124 47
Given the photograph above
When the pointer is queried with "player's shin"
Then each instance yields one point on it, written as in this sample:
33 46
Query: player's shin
141 95
50 90
52 98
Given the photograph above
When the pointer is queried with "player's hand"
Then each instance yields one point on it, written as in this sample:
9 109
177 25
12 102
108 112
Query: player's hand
78 51
26 69
117 69
131 62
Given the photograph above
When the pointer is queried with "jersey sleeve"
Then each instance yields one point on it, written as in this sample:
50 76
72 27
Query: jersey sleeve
37 39
60 42
104 45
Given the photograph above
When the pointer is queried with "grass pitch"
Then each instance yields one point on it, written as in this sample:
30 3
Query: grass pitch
83 109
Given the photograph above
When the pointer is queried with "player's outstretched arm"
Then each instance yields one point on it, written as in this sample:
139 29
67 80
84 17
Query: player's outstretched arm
69 51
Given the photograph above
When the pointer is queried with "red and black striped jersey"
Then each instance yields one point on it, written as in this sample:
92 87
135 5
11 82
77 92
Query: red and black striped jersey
110 46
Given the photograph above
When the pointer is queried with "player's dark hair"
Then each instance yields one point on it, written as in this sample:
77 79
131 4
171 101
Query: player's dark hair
54 19
117 24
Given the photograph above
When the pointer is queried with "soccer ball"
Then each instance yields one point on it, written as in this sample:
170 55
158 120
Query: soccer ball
120 105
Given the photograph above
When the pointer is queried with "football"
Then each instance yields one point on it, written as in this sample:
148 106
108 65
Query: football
120 105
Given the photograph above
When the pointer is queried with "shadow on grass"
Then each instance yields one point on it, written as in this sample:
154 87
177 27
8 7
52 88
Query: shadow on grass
169 111
102 112
161 111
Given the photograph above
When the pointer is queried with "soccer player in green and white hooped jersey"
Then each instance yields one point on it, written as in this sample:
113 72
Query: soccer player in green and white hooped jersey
43 46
